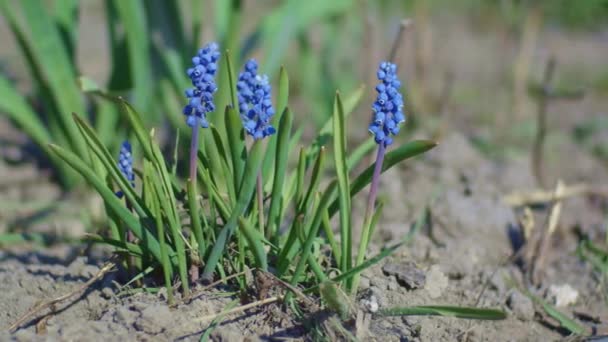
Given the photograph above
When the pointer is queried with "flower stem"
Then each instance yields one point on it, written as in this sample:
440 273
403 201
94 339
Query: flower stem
194 271
260 190
373 190
369 213
194 152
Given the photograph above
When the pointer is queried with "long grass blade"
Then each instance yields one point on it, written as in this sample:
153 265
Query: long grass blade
445 311
55 66
339 135
405 151
135 224
132 15
281 159
245 192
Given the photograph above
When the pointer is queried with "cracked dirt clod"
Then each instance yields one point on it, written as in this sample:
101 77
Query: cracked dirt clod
407 274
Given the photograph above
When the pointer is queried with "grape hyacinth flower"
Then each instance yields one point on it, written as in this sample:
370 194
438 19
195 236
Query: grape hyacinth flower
255 105
125 165
388 106
387 116
256 110
202 75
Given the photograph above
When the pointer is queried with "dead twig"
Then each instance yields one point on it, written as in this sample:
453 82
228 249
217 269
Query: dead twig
538 263
240 308
205 288
525 198
288 286
403 26
541 122
51 303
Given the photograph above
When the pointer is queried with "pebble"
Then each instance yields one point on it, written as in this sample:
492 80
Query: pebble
562 295
407 274
521 305
436 282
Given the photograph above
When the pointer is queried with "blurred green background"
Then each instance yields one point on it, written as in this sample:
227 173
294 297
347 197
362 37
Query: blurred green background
468 65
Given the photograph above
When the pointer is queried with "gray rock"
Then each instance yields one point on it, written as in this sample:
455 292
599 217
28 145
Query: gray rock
521 305
407 274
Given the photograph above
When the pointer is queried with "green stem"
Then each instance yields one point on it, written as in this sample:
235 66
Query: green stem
260 190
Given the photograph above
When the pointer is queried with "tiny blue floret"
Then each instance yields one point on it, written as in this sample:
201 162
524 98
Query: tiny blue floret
255 105
125 164
387 109
202 74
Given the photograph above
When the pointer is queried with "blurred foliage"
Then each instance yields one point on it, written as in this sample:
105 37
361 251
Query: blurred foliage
582 14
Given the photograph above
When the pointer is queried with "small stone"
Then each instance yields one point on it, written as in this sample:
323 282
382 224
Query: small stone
521 305
497 280
379 283
407 274
393 286
370 304
107 293
154 319
436 282
562 295
364 283
125 316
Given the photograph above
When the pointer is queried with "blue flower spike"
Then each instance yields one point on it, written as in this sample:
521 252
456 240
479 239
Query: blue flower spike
202 74
255 104
387 109
125 165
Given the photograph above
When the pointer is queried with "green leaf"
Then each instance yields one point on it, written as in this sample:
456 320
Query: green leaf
339 134
563 320
446 311
302 211
195 219
325 134
168 203
66 15
254 239
282 98
222 159
280 27
133 19
157 213
54 65
281 159
15 106
405 151
245 192
110 165
138 127
335 298
313 231
135 224
130 248
236 142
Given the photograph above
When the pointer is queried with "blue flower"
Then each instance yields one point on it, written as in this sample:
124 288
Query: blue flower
125 164
387 108
202 75
255 105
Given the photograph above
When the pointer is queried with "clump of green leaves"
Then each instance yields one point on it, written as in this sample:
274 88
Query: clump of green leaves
220 231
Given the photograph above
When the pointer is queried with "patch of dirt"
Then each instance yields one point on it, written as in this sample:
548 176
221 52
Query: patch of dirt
462 259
